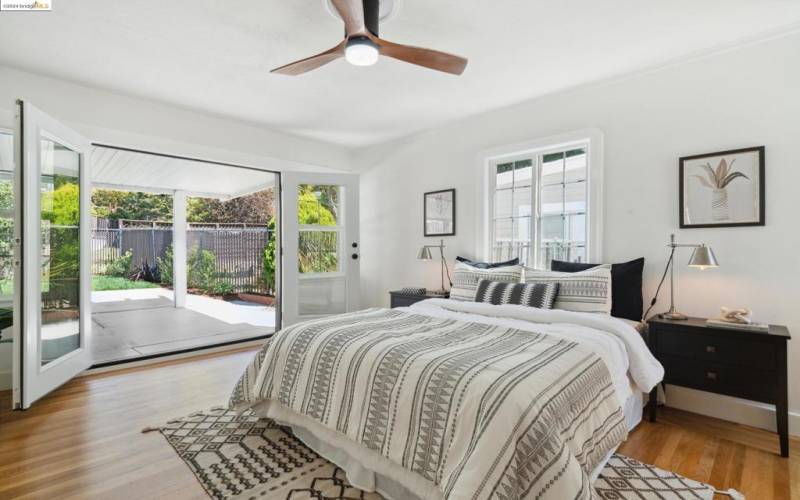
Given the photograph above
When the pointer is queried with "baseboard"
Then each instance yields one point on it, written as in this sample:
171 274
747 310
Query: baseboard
728 408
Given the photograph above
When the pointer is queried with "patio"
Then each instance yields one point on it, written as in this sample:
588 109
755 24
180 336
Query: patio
133 323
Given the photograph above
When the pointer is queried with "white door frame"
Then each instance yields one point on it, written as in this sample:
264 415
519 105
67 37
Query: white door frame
350 255
31 380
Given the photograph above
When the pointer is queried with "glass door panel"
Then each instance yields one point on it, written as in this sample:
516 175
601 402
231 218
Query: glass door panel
59 171
7 245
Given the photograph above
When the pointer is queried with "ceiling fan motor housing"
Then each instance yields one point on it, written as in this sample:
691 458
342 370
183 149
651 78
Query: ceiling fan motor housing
372 15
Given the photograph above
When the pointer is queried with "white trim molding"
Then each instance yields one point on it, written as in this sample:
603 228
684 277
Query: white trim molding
592 137
728 408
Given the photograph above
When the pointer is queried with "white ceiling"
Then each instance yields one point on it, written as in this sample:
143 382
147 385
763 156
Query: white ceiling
134 171
215 55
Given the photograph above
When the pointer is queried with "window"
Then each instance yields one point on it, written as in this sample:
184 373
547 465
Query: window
539 207
318 218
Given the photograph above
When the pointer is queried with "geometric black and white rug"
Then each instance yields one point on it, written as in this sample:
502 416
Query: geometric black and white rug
246 457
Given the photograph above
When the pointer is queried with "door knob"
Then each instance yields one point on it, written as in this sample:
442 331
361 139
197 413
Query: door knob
355 256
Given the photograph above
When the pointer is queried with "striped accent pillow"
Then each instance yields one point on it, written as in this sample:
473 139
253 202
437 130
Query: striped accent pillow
466 278
541 295
584 291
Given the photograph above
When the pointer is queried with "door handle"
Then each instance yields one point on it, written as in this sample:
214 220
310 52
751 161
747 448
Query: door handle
355 256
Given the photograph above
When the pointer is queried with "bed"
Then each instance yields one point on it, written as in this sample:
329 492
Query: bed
452 400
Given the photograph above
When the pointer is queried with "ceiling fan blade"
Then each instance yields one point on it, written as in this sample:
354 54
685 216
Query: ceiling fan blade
433 59
313 62
352 13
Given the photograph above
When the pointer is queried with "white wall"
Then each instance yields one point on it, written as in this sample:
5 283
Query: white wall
749 96
120 120
109 118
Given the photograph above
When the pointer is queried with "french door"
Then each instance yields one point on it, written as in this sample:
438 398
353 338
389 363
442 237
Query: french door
320 245
52 324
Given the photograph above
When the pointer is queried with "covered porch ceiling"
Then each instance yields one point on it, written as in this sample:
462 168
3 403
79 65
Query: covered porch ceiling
150 173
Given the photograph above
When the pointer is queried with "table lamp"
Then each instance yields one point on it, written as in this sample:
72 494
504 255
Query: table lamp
702 258
425 254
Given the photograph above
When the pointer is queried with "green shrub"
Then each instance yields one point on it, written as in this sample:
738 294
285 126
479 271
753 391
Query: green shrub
165 266
121 266
201 269
269 258
222 288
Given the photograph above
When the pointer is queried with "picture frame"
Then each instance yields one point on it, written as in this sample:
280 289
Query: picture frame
723 189
439 213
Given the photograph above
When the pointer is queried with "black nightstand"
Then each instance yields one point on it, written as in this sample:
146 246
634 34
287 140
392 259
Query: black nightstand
743 364
398 299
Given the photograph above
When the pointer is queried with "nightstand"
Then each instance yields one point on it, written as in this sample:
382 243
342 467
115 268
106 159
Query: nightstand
398 299
744 364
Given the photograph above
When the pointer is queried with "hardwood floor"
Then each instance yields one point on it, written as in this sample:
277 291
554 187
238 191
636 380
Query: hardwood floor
84 440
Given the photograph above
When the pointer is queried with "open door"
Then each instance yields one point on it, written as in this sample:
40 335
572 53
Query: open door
52 327
320 245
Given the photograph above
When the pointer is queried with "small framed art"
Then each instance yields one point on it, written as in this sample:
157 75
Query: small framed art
440 213
724 189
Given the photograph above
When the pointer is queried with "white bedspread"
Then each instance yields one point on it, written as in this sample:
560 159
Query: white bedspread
454 400
616 341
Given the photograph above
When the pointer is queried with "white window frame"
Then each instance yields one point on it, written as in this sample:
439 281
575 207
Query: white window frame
591 139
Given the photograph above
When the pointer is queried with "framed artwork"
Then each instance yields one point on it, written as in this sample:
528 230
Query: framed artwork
724 189
440 213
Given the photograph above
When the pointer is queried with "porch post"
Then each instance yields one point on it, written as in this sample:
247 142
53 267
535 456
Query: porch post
179 247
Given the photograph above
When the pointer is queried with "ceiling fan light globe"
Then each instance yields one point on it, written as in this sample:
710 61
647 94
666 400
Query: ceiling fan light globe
361 52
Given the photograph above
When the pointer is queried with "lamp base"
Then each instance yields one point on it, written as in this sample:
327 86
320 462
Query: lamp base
673 315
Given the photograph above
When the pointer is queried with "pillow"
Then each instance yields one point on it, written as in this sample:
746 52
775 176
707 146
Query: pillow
584 291
541 295
626 285
466 278
487 265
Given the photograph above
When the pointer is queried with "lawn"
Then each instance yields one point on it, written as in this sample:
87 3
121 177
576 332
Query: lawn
105 283
99 284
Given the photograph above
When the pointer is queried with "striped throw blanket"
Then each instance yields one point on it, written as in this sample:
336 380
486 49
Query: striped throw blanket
481 411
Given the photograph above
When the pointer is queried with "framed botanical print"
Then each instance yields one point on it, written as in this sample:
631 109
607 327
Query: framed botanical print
440 213
724 189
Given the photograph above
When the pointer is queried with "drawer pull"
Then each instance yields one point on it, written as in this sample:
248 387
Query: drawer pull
711 375
711 349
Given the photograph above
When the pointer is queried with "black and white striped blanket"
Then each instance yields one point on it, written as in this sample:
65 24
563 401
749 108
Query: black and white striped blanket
480 410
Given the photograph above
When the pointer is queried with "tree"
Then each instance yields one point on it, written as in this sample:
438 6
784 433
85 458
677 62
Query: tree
62 205
256 208
115 205
317 205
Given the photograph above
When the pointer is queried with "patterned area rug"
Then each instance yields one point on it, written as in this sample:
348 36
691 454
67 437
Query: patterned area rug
246 457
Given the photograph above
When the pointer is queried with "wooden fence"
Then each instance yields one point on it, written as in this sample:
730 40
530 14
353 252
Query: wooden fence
238 251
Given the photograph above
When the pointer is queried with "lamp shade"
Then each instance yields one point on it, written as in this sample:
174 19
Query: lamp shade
424 254
703 258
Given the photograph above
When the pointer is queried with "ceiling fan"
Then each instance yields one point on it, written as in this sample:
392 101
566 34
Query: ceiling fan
362 46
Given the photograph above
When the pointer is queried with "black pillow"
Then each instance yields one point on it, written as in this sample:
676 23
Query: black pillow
626 285
539 295
488 265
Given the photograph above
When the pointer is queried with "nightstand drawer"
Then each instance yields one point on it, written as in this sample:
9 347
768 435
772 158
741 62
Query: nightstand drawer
405 300
719 349
748 383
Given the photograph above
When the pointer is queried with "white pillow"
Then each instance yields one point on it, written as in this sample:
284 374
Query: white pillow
584 291
466 278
